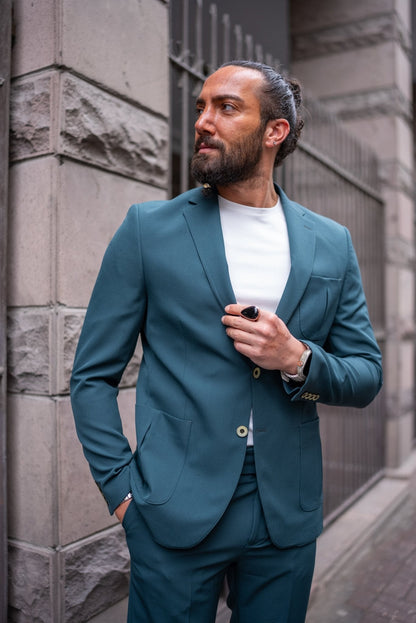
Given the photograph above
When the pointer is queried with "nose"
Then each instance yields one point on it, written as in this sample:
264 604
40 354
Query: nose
205 122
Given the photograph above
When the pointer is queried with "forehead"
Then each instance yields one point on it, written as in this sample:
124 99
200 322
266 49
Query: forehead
242 82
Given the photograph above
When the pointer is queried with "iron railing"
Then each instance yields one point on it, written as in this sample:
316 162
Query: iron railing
332 174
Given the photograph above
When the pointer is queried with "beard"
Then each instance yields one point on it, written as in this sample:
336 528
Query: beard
236 163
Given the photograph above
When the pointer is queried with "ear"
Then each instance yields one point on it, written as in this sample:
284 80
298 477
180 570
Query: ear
276 132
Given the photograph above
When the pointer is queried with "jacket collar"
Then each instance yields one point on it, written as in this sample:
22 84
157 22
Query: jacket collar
202 216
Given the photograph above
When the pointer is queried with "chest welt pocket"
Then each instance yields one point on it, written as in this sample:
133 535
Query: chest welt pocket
161 455
310 466
318 306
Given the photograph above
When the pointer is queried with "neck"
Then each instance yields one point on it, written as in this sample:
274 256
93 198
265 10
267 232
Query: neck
256 192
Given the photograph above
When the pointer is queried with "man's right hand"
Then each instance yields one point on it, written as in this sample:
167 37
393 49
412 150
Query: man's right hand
121 510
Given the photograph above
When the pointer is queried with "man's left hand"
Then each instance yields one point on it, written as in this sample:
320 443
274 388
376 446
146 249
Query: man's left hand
267 341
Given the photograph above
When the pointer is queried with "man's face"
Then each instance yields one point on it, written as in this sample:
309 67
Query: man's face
228 132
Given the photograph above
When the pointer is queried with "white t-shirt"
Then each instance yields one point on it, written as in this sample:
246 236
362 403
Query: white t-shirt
258 256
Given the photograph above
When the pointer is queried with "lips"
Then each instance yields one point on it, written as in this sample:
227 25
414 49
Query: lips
205 146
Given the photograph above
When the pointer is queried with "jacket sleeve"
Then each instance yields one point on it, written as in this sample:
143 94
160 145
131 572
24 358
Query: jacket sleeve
346 370
111 328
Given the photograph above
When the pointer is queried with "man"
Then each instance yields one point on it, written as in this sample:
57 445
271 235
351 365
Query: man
250 310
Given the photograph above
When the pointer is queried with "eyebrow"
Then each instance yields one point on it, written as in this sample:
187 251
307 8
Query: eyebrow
221 98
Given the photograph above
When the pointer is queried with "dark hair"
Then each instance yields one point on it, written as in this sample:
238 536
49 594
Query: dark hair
280 98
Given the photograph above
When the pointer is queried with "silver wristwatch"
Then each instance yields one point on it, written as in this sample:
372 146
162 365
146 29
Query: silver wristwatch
300 376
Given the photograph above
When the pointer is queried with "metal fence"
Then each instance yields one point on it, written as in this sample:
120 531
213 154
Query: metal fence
332 174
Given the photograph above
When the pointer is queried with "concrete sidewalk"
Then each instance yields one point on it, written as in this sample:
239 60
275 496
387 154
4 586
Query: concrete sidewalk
366 561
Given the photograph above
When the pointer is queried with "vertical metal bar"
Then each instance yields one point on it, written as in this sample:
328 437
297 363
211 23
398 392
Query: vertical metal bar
238 33
5 57
226 37
249 47
199 61
259 53
185 101
213 11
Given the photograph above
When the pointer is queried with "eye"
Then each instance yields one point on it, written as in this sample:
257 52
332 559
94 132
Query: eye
227 107
198 111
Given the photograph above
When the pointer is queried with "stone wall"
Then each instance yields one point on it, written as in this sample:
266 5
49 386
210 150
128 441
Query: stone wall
355 56
89 137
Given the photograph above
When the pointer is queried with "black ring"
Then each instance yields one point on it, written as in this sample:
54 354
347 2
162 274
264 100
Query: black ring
250 313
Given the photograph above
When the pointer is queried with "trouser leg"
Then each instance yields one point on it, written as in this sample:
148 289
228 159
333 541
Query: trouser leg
267 584
270 585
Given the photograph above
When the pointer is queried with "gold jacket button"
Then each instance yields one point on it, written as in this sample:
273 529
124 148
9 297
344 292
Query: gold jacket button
256 372
242 431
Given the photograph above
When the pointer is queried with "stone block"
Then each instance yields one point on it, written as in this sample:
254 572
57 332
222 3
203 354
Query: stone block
32 470
31 241
339 36
30 594
35 35
93 204
381 103
122 46
69 328
93 126
96 574
29 350
82 509
318 14
118 612
399 438
31 112
397 176
400 211
103 130
379 131
336 74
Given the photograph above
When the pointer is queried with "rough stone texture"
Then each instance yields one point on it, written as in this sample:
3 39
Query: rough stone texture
123 45
314 14
30 599
30 116
69 328
29 350
356 34
396 175
94 126
32 469
388 101
96 575
105 131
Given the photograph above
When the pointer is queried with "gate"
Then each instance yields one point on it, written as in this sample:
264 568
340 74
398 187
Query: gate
332 174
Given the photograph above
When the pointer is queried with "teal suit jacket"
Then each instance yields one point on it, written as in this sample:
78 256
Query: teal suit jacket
164 276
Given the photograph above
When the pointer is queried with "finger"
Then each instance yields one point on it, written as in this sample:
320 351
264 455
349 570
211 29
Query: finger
237 322
234 309
243 337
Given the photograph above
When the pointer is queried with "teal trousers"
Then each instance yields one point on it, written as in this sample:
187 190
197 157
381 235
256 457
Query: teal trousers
266 584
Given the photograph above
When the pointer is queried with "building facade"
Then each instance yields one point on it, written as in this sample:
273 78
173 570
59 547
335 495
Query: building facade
90 121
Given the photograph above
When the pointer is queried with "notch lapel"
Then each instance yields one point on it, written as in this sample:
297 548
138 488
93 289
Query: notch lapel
302 240
203 219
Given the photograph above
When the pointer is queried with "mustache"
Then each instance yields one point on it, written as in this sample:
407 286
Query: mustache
208 142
